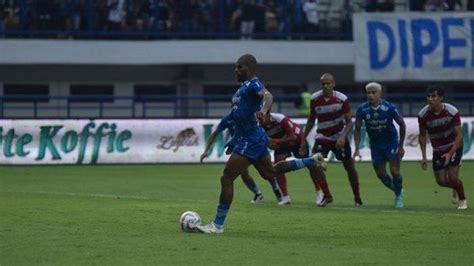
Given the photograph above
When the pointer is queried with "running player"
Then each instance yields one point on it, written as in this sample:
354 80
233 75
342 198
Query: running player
385 144
443 124
334 115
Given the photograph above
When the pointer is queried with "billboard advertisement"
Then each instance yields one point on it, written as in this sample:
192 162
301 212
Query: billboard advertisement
135 141
414 46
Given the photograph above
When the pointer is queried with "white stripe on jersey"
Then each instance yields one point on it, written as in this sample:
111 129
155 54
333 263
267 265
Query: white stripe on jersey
444 147
330 108
331 123
439 122
334 137
441 135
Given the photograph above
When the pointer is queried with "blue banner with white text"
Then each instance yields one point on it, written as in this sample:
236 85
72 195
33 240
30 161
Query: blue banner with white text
414 46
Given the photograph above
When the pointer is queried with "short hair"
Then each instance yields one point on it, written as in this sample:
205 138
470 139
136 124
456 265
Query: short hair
373 85
438 88
250 61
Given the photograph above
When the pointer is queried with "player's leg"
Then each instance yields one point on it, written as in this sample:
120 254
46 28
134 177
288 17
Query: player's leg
324 196
281 179
379 162
252 186
397 181
397 177
456 183
345 157
318 177
233 168
268 175
454 180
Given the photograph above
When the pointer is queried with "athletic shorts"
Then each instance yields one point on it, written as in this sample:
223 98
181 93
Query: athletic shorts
253 147
438 161
294 151
324 147
382 155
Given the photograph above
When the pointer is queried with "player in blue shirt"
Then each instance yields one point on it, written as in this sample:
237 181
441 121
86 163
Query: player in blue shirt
385 145
228 123
249 103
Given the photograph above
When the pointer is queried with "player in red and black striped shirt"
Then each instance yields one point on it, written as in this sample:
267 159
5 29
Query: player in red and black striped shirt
443 124
331 109
285 138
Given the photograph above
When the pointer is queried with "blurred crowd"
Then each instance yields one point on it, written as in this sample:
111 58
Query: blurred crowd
189 18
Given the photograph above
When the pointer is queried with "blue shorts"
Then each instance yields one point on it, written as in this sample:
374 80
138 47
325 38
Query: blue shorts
382 155
253 146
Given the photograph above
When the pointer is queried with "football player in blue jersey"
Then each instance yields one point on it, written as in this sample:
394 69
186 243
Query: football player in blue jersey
228 123
385 144
249 103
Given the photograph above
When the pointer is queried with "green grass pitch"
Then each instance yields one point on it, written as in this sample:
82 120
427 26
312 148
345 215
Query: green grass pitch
128 215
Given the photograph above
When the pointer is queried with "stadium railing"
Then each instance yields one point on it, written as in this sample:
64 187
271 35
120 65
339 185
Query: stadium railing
170 106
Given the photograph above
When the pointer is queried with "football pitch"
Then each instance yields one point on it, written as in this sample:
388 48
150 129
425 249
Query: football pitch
128 215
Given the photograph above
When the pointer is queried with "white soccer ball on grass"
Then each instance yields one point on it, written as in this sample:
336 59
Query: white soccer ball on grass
189 220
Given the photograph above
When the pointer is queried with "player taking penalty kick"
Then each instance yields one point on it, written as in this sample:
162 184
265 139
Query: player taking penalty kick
250 102
385 146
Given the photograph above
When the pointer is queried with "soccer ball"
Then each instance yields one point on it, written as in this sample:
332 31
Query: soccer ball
189 220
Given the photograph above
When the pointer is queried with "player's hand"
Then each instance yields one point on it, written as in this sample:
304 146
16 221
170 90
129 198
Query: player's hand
203 155
401 152
424 164
260 115
356 154
272 144
447 158
303 148
340 143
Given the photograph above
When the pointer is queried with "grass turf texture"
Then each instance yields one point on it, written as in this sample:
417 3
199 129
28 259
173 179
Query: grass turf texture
115 215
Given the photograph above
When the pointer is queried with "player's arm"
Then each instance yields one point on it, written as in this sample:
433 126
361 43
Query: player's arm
402 128
210 141
422 141
223 124
347 128
358 125
458 142
266 104
307 129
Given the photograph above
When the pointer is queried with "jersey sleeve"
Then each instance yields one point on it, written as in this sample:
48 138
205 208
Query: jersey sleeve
394 112
421 121
346 107
223 124
256 87
456 120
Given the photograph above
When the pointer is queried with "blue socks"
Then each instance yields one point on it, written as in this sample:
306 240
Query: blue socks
222 210
301 163
395 184
273 182
387 181
252 186
398 184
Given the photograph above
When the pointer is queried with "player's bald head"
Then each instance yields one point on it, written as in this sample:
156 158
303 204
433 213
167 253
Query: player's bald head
327 76
248 60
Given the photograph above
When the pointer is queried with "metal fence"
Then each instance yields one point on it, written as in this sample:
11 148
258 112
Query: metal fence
106 106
